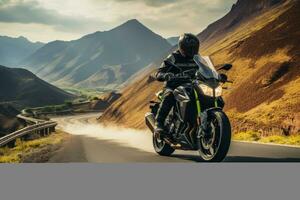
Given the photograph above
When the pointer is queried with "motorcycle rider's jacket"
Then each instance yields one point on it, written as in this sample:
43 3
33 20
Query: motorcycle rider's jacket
184 63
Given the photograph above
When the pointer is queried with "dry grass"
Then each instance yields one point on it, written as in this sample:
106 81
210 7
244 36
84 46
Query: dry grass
245 30
32 151
247 136
277 139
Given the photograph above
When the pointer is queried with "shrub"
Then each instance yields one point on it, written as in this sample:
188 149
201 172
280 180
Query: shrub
68 104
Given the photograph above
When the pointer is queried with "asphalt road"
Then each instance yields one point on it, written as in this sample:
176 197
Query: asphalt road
91 142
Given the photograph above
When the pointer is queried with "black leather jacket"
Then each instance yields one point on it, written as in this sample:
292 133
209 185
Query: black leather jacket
180 61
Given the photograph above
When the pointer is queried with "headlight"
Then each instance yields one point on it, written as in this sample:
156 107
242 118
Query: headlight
208 91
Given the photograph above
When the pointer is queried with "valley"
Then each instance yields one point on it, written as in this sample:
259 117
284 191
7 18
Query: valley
99 86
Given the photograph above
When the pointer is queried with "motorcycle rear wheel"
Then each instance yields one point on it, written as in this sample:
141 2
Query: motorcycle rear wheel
216 148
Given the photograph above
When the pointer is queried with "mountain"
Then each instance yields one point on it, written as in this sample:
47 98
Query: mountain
104 101
241 12
173 40
22 88
13 50
261 38
102 59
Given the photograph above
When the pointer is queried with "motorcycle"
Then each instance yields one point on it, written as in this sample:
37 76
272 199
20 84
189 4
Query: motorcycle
197 122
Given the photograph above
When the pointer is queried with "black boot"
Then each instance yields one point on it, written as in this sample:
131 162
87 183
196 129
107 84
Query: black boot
163 111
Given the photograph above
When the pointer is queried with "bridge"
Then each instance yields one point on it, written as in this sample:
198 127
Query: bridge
36 126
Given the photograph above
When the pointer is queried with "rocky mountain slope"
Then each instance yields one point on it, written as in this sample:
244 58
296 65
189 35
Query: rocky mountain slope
261 38
241 12
102 59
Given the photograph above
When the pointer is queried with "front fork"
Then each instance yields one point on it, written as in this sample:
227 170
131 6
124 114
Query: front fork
205 128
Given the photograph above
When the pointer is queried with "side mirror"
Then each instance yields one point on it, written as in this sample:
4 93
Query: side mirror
223 78
225 67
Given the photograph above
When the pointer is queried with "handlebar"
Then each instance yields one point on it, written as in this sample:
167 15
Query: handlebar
179 77
182 77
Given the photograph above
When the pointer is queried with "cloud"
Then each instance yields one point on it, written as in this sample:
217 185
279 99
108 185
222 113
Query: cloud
74 17
3 2
185 16
26 12
154 3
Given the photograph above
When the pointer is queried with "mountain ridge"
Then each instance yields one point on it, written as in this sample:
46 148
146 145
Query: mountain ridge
13 50
240 11
114 55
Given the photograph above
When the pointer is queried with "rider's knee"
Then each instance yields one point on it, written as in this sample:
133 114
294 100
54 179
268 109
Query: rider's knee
168 92
168 95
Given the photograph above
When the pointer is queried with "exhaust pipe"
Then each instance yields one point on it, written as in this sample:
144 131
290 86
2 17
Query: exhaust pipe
150 121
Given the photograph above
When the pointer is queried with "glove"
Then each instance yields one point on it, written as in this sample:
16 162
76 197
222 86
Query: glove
168 76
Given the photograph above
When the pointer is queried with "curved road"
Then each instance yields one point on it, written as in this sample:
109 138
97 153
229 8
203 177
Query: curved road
91 142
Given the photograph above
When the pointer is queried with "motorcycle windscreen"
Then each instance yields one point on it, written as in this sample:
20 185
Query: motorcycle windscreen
206 68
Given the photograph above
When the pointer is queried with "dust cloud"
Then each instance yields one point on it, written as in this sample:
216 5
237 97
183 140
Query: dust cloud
124 136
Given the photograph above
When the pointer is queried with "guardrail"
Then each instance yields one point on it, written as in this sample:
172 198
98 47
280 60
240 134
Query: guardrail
30 119
39 126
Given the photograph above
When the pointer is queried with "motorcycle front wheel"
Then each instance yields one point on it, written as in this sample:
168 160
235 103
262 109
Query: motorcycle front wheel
216 146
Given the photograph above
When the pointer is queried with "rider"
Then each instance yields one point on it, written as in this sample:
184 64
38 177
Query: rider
188 46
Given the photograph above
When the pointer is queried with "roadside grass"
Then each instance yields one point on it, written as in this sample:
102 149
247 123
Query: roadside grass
277 139
87 93
36 150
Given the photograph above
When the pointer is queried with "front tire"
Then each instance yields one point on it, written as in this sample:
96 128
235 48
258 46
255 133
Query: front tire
216 149
161 147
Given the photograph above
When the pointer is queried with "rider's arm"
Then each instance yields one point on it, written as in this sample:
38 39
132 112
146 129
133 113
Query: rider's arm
160 75
164 69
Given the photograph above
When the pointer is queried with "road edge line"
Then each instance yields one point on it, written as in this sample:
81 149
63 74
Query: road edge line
270 144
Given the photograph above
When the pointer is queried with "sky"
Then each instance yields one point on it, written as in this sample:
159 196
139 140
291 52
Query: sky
47 20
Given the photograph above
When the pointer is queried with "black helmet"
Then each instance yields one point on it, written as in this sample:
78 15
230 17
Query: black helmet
188 45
